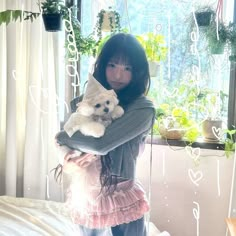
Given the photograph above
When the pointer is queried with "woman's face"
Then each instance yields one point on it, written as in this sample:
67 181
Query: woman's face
118 74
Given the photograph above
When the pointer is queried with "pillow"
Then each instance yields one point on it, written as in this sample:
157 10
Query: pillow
231 223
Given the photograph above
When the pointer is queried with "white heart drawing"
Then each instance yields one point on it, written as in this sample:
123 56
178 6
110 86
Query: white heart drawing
218 132
171 94
196 106
44 93
195 176
194 153
16 76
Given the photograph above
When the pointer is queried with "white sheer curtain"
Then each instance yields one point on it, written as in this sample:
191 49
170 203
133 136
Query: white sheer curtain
28 107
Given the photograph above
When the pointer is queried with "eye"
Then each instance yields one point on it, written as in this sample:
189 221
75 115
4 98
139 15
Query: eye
110 64
128 68
107 102
97 105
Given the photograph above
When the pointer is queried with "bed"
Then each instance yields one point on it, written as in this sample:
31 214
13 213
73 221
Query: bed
24 216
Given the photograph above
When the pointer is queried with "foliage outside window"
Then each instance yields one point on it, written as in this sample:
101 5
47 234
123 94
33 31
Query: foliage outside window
191 78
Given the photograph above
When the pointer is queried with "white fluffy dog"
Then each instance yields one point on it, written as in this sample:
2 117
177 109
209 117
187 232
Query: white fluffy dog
94 114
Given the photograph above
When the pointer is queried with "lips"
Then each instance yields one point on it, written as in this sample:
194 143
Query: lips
116 84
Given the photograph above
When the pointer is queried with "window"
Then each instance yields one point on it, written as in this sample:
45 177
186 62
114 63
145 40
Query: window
191 76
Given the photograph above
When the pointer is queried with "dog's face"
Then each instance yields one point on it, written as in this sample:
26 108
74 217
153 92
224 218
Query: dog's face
103 104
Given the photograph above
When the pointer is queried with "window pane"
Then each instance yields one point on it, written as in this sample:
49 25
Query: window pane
191 76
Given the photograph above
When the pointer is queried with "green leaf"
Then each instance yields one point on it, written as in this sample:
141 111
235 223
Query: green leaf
16 14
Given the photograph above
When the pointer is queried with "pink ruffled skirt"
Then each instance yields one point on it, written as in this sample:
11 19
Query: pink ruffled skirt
95 209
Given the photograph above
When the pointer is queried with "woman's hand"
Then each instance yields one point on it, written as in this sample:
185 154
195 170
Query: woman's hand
74 161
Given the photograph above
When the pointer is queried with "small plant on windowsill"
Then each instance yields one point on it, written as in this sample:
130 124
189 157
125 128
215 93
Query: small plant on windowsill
229 142
214 104
175 123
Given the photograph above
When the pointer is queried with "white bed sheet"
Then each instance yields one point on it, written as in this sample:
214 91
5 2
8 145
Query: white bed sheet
32 217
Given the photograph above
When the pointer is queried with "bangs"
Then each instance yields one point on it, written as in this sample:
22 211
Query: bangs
120 58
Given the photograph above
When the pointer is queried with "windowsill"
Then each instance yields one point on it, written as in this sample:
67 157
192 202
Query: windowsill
200 143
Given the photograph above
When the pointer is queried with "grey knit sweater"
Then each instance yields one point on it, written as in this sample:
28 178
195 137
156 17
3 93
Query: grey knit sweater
123 139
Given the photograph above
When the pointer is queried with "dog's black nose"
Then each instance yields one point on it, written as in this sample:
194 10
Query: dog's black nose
106 110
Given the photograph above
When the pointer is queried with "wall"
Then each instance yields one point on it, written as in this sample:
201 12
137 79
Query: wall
188 199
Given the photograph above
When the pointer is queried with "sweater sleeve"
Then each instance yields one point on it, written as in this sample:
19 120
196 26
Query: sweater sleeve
133 123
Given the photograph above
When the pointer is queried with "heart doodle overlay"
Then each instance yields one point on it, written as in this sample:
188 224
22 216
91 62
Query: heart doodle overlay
195 177
218 132
194 153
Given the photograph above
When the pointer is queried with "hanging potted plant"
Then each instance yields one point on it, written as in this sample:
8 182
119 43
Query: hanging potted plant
155 48
231 36
108 21
204 15
216 43
53 12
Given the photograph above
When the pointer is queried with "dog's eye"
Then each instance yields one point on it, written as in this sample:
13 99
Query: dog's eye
98 105
107 102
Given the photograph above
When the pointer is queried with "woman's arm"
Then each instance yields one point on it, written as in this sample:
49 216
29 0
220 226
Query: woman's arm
133 123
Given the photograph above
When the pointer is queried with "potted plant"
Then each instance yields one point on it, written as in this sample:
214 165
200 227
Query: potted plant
175 123
216 43
53 12
231 36
212 124
155 48
229 142
107 21
204 15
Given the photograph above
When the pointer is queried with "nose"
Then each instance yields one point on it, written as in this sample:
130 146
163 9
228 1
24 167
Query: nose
106 110
118 72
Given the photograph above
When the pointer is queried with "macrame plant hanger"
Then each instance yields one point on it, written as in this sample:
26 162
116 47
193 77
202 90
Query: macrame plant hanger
219 16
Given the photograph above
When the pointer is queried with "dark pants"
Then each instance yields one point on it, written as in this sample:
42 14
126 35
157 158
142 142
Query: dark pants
134 228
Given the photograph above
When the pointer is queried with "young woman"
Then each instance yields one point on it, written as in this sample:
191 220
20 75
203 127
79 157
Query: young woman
105 197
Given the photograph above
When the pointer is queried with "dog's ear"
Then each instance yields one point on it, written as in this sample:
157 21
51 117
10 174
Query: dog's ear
84 108
115 100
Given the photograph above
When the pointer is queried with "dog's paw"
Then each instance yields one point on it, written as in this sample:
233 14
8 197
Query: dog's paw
118 112
94 129
70 132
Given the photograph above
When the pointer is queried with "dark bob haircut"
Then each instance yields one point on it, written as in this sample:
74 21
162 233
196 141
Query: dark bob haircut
126 47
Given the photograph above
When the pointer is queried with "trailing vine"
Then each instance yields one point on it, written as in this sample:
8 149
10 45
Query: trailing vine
14 15
114 22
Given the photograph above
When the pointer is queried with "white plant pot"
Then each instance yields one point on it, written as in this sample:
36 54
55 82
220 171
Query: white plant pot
154 68
106 24
211 130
